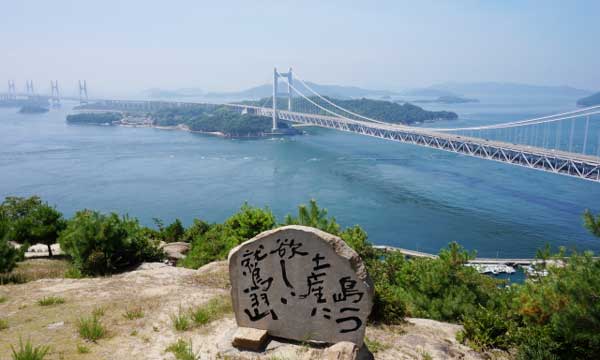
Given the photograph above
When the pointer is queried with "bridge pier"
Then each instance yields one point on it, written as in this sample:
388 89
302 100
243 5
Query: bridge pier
276 76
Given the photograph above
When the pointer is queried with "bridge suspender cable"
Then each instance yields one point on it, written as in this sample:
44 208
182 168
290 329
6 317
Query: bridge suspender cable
317 105
335 105
535 121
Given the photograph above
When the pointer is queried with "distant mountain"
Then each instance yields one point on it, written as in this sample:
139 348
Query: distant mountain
509 89
590 100
335 91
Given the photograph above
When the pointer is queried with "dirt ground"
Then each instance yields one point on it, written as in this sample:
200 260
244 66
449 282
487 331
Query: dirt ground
161 292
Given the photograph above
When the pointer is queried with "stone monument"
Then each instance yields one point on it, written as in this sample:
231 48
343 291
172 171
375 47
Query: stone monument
300 283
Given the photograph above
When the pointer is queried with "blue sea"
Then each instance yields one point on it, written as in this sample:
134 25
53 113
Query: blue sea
403 195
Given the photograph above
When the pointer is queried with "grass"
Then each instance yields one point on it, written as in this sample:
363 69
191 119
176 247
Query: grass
180 321
29 352
215 309
91 328
82 349
35 269
183 350
424 354
51 300
134 313
375 346
2 299
98 311
3 324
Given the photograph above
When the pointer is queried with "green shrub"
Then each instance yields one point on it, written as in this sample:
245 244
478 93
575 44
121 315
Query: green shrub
172 233
249 222
2 299
183 350
210 246
102 244
51 300
3 324
216 242
91 328
8 255
29 352
315 217
197 229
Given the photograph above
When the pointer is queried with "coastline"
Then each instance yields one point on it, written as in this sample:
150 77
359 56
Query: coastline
185 128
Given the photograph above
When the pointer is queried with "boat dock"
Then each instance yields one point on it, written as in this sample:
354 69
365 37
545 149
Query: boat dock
482 261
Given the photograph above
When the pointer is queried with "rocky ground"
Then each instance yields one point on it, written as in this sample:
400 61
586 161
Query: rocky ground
161 292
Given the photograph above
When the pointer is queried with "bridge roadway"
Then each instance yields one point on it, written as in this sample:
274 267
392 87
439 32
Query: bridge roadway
554 161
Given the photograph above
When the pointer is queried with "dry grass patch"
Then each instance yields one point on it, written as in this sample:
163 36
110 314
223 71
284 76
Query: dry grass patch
375 346
35 269
133 313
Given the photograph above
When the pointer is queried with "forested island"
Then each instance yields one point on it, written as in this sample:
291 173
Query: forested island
387 111
106 118
229 122
219 120
33 109
591 100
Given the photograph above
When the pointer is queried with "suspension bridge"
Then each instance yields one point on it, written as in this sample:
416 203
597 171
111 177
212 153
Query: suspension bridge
566 144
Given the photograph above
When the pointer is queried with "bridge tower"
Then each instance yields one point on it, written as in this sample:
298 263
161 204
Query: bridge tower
55 93
29 88
12 91
276 76
83 94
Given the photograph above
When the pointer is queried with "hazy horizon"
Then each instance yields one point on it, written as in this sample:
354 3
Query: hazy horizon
125 48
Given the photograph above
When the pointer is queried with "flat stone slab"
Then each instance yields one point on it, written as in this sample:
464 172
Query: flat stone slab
250 339
341 351
301 283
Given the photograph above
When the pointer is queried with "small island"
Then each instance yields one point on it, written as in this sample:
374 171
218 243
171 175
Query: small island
448 100
33 109
591 100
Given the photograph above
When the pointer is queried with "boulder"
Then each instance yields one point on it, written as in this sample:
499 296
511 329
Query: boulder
175 250
301 283
343 350
250 339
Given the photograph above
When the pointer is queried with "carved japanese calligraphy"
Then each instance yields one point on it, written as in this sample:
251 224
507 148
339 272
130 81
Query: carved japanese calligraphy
301 283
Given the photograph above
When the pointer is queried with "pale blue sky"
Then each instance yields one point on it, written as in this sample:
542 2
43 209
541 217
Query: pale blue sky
126 46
